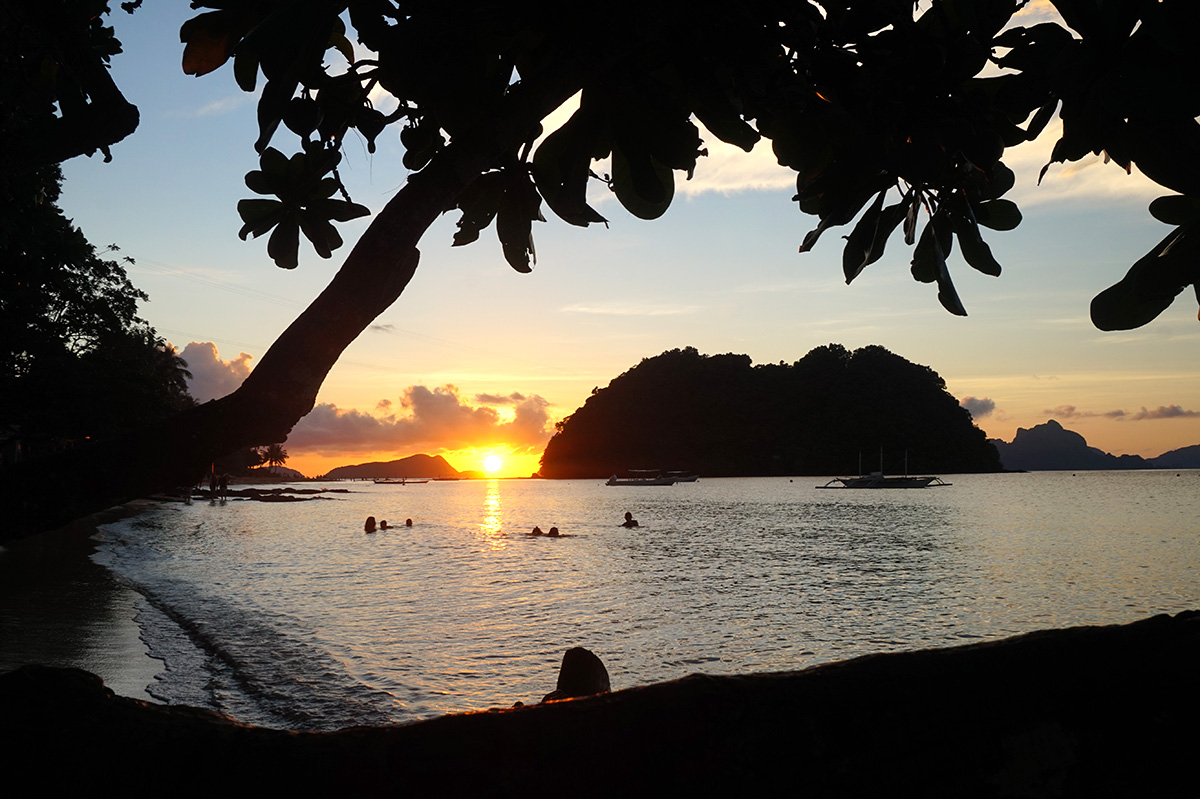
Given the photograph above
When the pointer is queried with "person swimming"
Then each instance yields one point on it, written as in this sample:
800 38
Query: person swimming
553 532
535 531
383 525
369 526
629 520
408 522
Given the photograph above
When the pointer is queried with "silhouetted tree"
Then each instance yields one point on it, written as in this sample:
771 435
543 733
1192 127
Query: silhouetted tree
275 455
874 105
77 361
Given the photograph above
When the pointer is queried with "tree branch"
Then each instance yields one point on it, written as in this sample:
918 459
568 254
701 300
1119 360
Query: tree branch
47 493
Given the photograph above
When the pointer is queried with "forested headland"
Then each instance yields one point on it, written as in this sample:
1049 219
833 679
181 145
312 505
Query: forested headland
720 415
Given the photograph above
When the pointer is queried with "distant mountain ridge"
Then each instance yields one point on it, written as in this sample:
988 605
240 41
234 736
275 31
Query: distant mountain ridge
1051 447
412 466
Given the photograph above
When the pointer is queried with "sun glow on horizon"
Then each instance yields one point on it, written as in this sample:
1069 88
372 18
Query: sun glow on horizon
493 463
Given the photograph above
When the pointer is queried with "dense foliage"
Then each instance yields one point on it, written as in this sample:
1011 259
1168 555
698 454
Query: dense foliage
77 361
719 415
902 109
57 99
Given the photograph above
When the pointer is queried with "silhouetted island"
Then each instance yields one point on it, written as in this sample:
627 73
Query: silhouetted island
412 466
720 415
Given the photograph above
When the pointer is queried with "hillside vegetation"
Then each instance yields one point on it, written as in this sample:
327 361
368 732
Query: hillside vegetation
720 415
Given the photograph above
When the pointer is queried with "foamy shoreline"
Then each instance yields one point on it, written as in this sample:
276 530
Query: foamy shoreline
60 608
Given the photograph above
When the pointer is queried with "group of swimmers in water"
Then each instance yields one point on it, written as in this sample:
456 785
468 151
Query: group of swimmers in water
552 533
383 525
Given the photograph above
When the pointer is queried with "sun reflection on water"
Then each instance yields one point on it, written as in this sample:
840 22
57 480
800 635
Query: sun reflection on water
492 516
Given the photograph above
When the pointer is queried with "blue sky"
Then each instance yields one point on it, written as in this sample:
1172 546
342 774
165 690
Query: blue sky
475 358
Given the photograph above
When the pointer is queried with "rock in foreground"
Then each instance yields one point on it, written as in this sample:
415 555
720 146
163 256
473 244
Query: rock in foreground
1087 711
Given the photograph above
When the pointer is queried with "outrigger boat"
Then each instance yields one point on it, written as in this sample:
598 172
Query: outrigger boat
397 481
877 479
642 477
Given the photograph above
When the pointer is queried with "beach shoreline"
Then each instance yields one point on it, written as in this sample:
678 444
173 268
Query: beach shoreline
58 607
1084 711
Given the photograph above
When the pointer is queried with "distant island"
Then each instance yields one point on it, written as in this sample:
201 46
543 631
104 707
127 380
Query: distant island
720 415
1050 447
415 466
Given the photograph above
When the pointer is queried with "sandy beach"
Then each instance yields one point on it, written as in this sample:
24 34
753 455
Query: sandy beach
58 608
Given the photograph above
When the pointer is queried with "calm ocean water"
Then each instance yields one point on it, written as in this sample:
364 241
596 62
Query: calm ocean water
287 615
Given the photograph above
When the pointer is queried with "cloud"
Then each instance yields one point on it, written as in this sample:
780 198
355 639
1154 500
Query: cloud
1161 412
1073 412
219 107
432 419
211 376
728 169
1164 412
978 407
500 399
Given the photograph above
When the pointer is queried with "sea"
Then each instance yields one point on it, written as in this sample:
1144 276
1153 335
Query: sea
289 615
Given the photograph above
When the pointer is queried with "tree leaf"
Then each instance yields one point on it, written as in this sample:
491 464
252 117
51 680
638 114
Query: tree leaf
642 185
284 245
259 216
338 210
975 250
245 71
1151 284
998 214
947 294
1041 118
209 40
858 244
479 203
321 233
562 166
1175 209
519 207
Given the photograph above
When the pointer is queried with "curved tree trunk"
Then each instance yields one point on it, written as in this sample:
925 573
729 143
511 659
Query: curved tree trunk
47 493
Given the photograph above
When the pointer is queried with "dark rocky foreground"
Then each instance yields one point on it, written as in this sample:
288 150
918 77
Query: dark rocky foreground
1089 711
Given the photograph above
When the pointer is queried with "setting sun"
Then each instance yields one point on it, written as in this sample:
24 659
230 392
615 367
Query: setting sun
492 464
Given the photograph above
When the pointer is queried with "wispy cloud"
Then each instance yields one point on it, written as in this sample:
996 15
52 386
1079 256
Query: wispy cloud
224 105
1120 415
613 309
1073 412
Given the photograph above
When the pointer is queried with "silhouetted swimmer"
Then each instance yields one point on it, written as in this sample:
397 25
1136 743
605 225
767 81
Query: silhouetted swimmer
408 522
383 524
536 531
629 520
370 525
223 485
553 532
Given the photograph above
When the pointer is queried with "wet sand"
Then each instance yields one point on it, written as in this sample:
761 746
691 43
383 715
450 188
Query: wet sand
58 608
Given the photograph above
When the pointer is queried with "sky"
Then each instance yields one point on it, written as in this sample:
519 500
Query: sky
475 359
